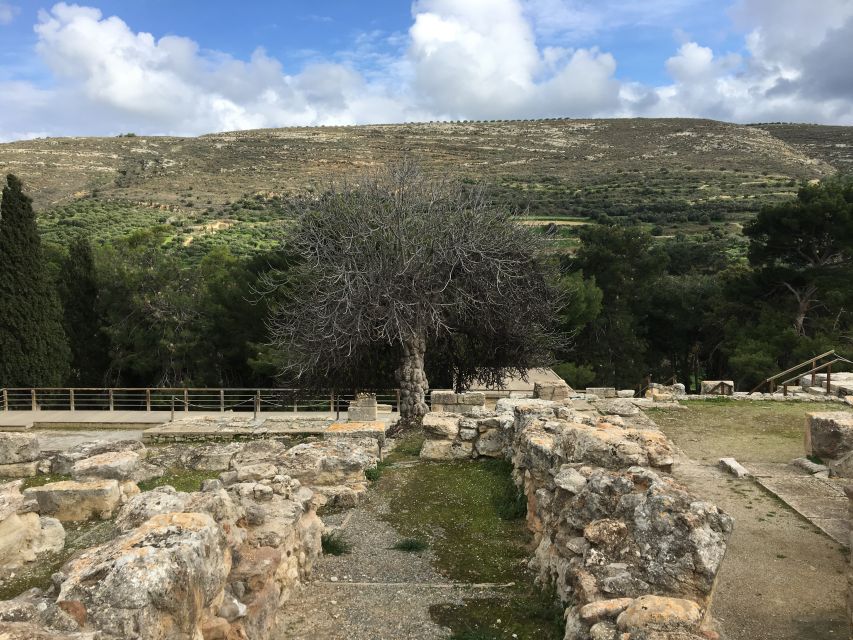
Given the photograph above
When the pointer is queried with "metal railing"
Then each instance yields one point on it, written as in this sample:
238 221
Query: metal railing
183 399
816 368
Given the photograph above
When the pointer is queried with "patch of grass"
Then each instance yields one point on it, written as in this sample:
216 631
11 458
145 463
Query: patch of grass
43 479
181 479
412 545
334 544
408 447
467 513
815 459
375 473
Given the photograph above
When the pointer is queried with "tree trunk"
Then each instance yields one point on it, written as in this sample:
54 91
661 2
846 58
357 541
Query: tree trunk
412 380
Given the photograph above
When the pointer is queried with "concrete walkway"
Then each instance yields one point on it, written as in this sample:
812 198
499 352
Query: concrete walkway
20 420
821 501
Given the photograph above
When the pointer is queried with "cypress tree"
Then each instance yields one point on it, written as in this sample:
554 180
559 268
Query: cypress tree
33 346
79 294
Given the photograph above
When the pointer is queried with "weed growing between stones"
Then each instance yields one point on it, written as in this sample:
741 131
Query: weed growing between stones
412 545
41 480
334 544
468 513
180 479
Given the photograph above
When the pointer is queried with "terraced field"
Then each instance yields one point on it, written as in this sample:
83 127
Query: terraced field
232 188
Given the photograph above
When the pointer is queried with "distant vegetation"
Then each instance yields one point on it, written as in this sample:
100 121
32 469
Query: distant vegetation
159 246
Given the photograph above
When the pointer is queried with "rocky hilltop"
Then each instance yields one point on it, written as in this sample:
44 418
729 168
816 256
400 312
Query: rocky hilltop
577 153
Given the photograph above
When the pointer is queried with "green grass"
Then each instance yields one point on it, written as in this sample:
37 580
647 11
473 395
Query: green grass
412 545
180 479
43 479
468 514
751 431
334 544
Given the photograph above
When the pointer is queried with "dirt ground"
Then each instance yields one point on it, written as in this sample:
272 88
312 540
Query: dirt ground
782 578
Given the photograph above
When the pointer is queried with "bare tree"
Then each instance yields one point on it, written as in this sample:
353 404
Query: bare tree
403 260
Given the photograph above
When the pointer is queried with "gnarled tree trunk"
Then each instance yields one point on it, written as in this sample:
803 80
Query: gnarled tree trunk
412 380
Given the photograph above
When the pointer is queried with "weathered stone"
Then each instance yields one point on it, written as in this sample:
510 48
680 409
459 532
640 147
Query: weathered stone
555 391
829 434
467 435
734 467
601 392
617 407
155 582
62 461
25 536
603 609
569 479
647 612
490 443
115 465
441 425
19 470
262 471
18 447
70 501
446 450
606 532
31 631
146 505
363 408
603 631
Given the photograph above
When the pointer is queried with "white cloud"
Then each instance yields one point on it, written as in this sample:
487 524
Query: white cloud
7 13
478 59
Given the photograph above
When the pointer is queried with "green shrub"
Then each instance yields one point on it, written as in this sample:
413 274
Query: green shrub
412 545
334 544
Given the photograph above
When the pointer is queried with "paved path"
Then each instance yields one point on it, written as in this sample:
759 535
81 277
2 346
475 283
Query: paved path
371 593
821 501
18 420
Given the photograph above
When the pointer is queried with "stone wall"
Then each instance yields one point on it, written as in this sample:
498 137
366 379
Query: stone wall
627 548
445 401
214 563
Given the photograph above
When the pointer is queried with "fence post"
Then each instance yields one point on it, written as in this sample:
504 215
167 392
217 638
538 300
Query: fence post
398 401
148 400
71 398
828 377
222 401
172 418
332 402
257 403
33 398
112 401
186 400
5 400
814 373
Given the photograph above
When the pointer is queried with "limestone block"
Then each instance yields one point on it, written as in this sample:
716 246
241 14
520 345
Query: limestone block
71 501
569 479
473 398
262 471
19 470
18 447
734 467
648 612
491 444
446 450
556 391
829 434
625 393
603 609
601 392
33 631
24 536
438 425
717 387
363 408
157 581
112 465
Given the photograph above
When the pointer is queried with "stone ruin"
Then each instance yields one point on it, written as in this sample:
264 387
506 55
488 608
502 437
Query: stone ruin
829 436
210 564
631 553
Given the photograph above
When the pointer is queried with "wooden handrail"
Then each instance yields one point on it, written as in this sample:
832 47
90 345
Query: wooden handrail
805 363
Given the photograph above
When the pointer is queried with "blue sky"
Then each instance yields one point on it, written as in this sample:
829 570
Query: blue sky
160 66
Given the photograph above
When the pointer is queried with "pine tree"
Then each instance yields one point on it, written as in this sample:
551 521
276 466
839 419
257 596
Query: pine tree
78 292
33 346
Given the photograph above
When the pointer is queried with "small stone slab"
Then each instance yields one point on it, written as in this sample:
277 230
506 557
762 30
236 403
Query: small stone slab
358 429
734 467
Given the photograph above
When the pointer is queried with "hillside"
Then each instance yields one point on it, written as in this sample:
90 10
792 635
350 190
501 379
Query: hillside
659 171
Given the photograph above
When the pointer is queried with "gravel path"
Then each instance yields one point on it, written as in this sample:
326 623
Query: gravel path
373 592
782 578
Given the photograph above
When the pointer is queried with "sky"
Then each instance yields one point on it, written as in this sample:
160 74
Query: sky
185 68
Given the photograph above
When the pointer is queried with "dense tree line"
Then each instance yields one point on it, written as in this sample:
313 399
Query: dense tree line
126 312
